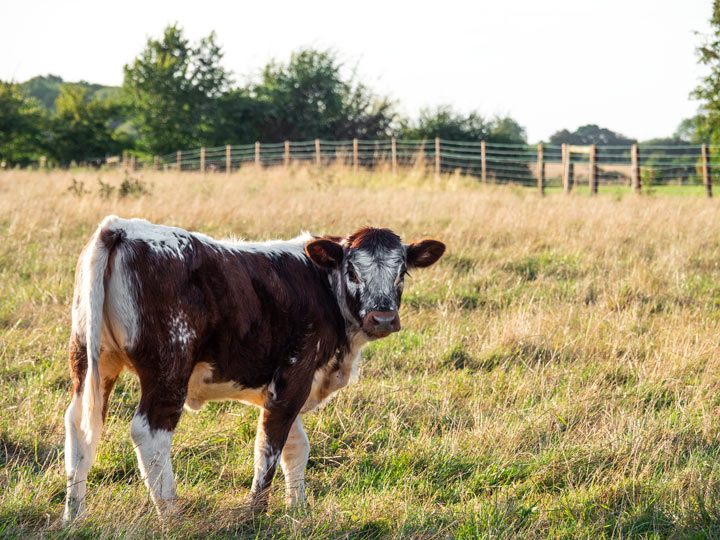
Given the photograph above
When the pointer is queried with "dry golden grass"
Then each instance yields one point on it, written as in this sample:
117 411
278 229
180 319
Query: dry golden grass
557 374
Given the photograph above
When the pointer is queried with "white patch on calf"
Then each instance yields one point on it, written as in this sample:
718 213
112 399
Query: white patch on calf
121 307
327 381
271 390
79 454
153 452
179 330
163 240
176 242
266 457
293 461
201 389
270 248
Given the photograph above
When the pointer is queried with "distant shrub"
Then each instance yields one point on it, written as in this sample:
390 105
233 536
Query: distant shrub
106 190
132 187
77 188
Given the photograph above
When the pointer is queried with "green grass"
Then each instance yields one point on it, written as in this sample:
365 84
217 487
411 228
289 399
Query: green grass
615 190
557 375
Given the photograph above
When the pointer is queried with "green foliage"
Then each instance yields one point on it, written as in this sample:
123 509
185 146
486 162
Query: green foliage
22 126
708 91
241 118
173 88
81 128
176 95
691 130
309 98
46 90
444 122
591 134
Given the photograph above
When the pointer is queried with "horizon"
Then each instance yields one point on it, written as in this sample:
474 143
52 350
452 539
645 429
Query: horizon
651 53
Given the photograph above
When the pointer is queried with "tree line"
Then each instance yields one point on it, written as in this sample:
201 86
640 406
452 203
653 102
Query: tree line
177 95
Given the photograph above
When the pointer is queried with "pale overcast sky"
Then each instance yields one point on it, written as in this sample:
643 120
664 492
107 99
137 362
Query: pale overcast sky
628 65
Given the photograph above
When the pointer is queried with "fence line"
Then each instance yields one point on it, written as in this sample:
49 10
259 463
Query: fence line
541 165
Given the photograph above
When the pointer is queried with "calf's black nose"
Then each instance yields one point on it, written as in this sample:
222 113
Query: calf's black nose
382 319
381 323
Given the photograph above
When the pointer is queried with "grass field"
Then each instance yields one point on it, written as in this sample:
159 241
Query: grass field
557 375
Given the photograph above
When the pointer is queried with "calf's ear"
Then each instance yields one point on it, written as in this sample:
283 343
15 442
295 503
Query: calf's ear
325 253
424 253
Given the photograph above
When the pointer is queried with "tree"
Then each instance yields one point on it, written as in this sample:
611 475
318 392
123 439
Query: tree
172 88
241 118
692 130
23 124
708 91
444 122
46 90
82 127
504 129
310 98
591 134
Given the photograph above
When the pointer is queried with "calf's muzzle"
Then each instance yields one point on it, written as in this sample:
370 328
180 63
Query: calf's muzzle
381 323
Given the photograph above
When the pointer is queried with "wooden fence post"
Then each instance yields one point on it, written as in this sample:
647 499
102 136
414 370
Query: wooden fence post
593 179
179 160
566 168
286 157
156 162
317 152
437 157
257 154
202 159
706 170
393 148
355 155
483 162
635 169
540 170
133 162
228 159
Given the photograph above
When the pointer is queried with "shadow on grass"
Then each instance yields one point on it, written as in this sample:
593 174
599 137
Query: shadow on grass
20 453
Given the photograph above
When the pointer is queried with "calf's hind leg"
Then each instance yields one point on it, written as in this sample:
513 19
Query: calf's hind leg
80 444
151 431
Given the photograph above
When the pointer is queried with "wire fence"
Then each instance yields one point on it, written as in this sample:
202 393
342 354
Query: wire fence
541 164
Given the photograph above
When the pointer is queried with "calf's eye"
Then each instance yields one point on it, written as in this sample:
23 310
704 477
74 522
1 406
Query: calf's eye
352 276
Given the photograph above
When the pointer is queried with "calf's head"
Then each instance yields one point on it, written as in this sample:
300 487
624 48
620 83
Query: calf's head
368 270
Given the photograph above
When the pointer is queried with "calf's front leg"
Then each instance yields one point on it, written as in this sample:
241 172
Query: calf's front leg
273 428
294 460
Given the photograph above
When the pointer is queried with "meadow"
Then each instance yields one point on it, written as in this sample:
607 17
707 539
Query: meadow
557 375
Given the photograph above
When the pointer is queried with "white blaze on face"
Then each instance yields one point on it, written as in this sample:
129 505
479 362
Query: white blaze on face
379 276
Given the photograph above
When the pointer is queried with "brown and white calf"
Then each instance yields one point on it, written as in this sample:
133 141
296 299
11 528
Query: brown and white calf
277 324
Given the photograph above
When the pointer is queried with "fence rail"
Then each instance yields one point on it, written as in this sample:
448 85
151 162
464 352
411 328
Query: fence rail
541 165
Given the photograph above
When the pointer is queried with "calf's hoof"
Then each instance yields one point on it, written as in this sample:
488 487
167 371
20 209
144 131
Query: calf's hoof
295 499
258 503
74 509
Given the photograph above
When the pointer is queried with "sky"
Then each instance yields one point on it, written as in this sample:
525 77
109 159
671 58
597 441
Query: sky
628 65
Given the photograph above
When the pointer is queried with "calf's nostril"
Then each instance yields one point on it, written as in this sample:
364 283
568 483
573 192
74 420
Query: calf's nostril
384 319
